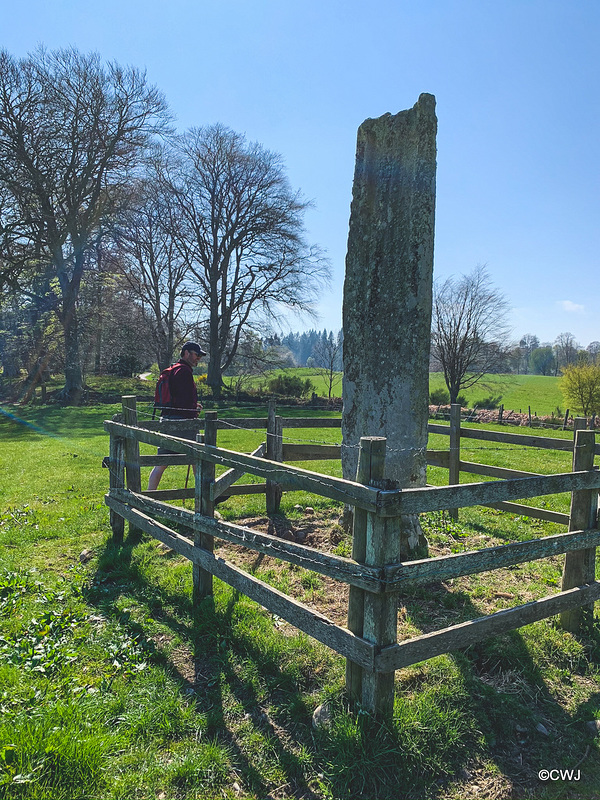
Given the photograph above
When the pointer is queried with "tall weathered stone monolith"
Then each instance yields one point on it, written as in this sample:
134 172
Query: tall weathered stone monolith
388 294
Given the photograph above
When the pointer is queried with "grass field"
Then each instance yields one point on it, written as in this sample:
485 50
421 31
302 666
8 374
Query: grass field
518 392
112 685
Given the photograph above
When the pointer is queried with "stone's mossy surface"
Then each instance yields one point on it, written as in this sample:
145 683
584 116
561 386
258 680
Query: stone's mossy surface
388 291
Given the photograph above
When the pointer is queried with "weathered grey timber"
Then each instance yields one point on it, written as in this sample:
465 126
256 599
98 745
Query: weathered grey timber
204 505
242 488
437 498
291 477
443 568
164 461
493 472
304 618
580 566
531 511
116 478
132 449
520 439
369 466
385 543
274 453
444 641
388 293
438 458
311 452
454 454
227 479
336 567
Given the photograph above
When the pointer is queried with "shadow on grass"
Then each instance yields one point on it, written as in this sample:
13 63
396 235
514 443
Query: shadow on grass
515 703
490 704
207 668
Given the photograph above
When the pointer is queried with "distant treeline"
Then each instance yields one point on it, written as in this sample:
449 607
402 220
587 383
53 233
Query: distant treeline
311 348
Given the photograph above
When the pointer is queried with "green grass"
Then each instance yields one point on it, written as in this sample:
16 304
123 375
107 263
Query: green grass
518 392
113 685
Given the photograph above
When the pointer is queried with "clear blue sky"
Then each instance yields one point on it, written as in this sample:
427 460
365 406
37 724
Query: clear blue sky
518 101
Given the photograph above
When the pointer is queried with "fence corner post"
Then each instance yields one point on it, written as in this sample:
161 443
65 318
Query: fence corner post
204 505
382 545
356 597
116 481
274 453
454 457
132 451
580 565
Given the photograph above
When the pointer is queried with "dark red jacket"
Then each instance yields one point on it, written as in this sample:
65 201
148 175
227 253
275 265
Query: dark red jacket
183 393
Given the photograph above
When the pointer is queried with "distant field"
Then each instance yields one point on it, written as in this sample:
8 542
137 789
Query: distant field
540 392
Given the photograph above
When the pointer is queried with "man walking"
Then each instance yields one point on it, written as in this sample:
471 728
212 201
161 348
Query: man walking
184 400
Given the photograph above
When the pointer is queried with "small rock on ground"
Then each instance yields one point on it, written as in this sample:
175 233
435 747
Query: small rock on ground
593 727
322 716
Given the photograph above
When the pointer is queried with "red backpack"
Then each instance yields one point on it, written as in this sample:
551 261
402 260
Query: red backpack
162 394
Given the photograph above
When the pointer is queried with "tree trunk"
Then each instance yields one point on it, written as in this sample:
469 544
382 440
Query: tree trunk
71 391
11 363
214 376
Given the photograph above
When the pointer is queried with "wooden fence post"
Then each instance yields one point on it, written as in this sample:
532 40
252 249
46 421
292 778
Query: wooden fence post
132 451
454 458
368 468
500 413
274 453
205 477
380 621
117 481
580 565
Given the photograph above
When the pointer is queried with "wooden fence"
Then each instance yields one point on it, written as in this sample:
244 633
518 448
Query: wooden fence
375 574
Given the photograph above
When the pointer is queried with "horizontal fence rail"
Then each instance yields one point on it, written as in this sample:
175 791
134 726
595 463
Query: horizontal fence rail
292 477
466 633
337 567
438 498
304 618
401 577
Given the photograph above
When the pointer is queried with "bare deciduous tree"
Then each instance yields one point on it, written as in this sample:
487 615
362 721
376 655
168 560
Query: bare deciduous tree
155 269
242 238
565 350
469 329
72 131
327 355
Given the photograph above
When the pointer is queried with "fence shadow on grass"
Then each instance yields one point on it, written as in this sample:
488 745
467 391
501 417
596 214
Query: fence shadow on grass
511 697
205 664
225 662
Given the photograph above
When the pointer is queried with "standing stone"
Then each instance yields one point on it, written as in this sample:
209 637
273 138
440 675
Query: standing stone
388 295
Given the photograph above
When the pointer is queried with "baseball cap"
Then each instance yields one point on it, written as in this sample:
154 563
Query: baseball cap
195 347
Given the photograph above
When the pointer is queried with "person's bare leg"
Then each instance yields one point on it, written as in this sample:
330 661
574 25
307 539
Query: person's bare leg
155 477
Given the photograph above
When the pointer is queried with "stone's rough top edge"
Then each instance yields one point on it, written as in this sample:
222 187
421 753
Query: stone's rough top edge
426 102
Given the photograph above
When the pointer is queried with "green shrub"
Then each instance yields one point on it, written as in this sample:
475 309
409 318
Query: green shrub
439 397
290 386
489 402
